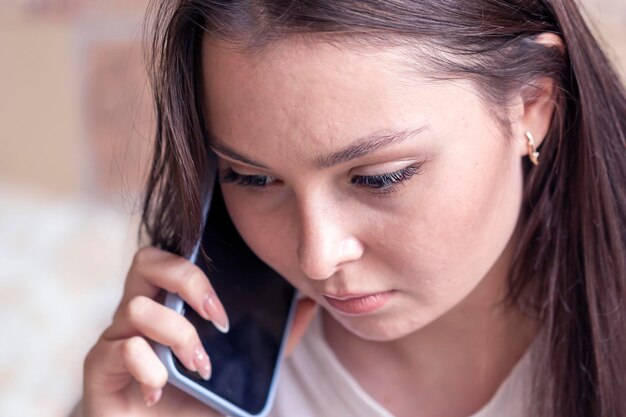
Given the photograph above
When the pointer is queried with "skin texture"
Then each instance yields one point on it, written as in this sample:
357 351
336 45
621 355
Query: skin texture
441 241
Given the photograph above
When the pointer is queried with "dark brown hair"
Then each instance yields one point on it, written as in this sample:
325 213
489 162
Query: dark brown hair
569 268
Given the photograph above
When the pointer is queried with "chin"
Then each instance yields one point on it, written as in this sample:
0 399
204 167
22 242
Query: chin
378 328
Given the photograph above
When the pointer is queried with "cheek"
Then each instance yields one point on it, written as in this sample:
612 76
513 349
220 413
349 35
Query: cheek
461 224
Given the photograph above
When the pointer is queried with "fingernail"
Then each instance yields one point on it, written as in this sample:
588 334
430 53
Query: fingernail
154 397
215 310
202 364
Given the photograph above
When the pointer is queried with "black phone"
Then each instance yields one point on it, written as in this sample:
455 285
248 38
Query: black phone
260 305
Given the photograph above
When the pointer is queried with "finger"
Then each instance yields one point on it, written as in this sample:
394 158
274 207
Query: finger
305 310
142 363
154 269
163 325
150 395
111 365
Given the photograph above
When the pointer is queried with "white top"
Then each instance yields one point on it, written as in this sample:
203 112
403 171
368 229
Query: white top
313 383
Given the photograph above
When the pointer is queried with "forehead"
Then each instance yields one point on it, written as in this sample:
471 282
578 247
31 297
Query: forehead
299 57
299 71
312 93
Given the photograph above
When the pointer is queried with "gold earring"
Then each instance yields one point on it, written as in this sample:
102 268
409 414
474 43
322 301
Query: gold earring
532 153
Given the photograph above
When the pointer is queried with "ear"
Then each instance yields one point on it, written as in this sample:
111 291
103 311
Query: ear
537 103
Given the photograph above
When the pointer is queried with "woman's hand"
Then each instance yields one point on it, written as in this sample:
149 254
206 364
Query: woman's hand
123 375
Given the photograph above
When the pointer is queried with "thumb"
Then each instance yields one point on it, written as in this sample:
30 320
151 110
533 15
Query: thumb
305 310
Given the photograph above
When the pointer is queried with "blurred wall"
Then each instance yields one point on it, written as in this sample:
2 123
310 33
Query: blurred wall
75 113
75 128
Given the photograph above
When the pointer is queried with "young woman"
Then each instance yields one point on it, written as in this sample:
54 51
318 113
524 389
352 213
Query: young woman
446 180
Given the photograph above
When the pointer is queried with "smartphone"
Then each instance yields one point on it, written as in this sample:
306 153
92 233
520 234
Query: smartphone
260 305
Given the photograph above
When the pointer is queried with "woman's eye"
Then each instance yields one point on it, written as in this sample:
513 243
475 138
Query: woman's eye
230 176
377 184
387 183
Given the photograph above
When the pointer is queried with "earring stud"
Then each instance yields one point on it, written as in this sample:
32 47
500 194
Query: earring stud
532 153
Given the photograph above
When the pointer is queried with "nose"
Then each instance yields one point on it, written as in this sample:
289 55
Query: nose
325 241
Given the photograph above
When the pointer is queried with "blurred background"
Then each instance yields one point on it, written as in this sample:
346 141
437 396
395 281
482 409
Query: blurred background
75 134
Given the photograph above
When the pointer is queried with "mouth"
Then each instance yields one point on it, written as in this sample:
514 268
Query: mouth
358 304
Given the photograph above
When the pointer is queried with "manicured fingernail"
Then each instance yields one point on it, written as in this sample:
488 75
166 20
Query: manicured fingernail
202 364
154 397
215 310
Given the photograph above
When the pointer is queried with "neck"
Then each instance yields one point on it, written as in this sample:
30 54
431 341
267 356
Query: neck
465 354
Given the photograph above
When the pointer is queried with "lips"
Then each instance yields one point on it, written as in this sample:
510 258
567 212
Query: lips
358 304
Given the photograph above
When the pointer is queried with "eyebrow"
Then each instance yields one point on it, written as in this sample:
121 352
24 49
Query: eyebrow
358 149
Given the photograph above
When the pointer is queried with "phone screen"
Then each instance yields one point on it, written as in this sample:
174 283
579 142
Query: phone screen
257 300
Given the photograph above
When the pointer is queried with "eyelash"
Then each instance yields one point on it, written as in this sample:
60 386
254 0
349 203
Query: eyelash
381 184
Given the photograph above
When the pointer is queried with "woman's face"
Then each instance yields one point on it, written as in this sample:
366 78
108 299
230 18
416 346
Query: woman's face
385 197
